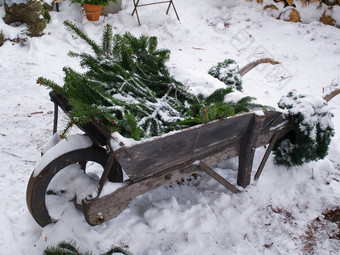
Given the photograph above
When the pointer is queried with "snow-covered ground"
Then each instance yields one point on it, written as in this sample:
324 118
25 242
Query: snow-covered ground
271 216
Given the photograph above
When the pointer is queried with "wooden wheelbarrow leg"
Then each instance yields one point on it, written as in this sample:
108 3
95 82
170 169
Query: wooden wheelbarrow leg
218 178
267 153
104 208
247 150
55 121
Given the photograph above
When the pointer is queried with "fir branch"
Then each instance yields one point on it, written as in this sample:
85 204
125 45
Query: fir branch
117 250
107 40
82 35
50 84
245 104
218 95
128 88
71 248
64 248
152 45
227 72
311 133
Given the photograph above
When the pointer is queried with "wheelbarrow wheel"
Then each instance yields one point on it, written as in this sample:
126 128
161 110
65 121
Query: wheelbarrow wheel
38 186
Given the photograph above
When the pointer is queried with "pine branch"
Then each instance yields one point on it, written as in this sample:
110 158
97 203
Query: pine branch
50 84
64 248
128 88
311 130
117 250
82 35
107 40
227 72
70 248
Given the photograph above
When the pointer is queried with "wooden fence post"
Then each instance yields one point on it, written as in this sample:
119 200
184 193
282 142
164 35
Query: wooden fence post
247 150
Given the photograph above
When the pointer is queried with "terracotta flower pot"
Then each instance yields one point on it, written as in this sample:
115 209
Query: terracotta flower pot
92 11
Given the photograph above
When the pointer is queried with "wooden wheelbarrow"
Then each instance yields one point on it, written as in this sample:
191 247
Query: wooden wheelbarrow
156 162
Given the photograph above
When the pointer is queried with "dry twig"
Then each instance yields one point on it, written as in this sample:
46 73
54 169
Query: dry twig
254 64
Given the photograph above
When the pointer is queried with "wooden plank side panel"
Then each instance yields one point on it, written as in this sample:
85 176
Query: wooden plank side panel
274 121
102 209
144 159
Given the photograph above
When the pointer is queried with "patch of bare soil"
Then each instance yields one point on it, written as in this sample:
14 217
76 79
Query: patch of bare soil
325 226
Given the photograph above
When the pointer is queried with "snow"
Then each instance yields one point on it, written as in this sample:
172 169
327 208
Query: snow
17 2
259 113
117 141
197 80
313 109
72 143
268 217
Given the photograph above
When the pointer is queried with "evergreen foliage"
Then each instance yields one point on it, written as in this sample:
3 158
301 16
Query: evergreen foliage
311 134
2 38
65 248
94 2
70 248
227 72
128 88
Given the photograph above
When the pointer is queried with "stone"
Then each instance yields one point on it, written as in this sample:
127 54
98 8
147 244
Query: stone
112 7
31 12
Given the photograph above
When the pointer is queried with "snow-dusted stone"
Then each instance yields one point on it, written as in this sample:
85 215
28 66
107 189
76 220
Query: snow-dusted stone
113 7
31 12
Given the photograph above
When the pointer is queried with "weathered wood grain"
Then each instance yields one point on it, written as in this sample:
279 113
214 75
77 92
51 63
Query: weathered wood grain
266 155
218 178
37 185
102 209
166 159
247 150
196 143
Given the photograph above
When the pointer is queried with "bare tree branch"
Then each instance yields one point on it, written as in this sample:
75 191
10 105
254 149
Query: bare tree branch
252 65
332 90
331 94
